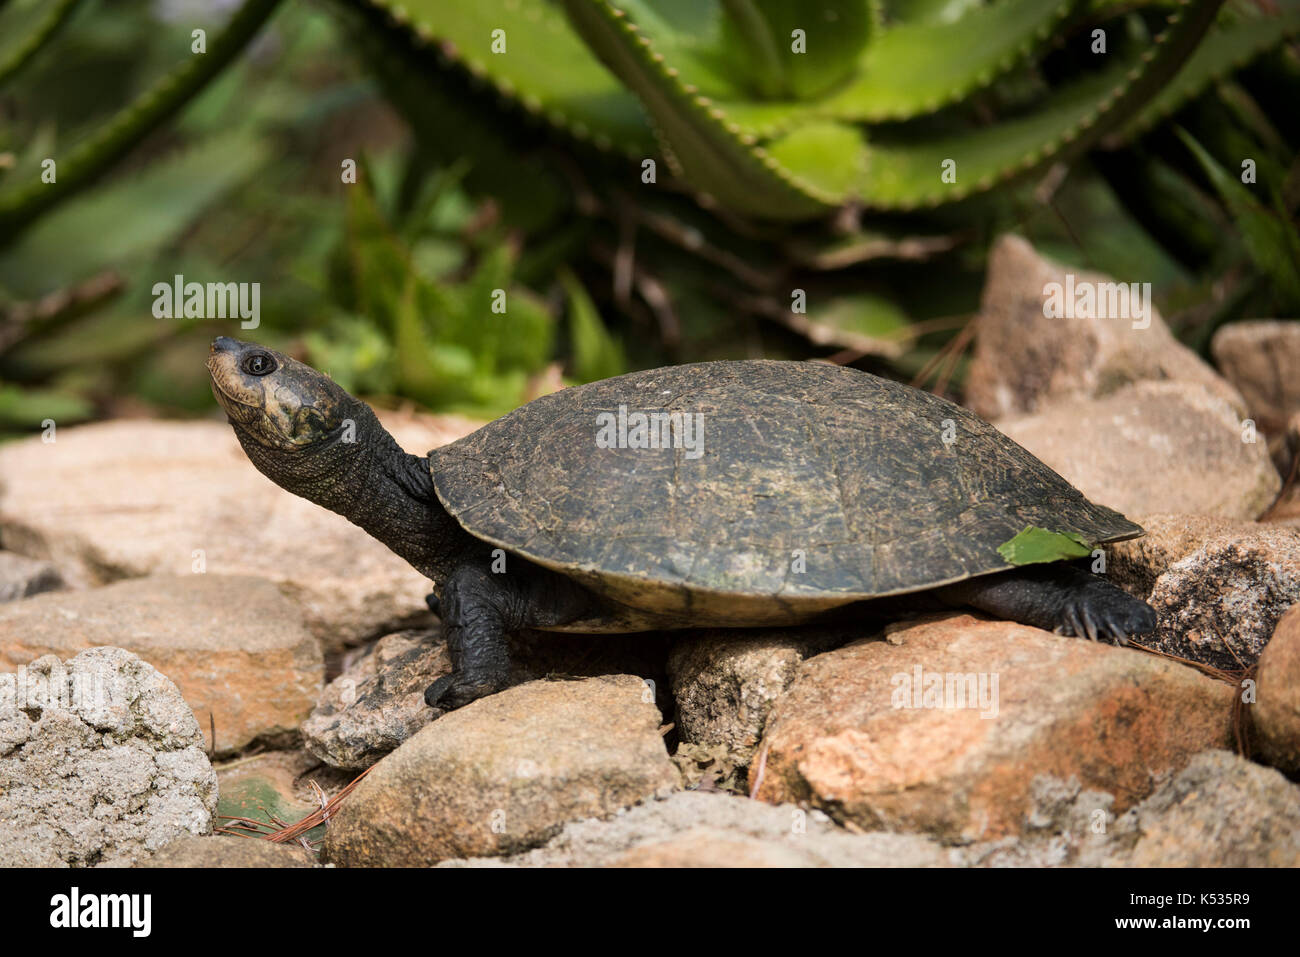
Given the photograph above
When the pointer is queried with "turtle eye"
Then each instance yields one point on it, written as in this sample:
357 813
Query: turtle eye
259 363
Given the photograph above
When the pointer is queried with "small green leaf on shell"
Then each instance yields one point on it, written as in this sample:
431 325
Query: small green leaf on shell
1033 545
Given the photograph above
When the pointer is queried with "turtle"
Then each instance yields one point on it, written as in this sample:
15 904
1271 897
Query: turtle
739 494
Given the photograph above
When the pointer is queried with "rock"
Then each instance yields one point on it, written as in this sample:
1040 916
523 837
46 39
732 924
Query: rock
378 703
1276 712
1154 447
21 576
504 773
235 646
1025 361
695 829
1260 358
101 762
1220 811
193 851
1286 456
1064 823
1218 587
725 682
1110 717
131 498
711 767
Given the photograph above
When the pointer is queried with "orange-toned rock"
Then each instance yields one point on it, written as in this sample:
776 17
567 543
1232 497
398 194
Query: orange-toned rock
1111 718
235 646
1276 712
126 499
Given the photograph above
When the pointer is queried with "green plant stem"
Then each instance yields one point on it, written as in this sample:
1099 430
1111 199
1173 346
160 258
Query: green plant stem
96 155
42 35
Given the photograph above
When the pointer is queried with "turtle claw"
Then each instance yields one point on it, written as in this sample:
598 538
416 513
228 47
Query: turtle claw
1089 626
434 694
450 692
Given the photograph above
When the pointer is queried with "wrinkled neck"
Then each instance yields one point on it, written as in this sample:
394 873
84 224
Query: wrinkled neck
375 484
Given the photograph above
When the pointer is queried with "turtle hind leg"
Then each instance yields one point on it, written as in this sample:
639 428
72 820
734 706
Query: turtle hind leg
1057 597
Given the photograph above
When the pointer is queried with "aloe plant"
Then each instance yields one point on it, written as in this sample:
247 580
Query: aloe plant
90 159
788 111
906 130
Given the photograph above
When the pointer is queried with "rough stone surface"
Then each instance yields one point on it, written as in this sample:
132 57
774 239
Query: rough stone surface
1218 587
1261 359
21 576
725 682
1276 712
101 762
235 646
1286 456
1154 447
1111 717
378 700
378 703
127 499
505 772
1220 811
1025 361
695 829
191 851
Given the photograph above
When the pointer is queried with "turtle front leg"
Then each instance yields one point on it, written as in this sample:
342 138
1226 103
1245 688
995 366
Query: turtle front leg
1057 597
475 609
479 608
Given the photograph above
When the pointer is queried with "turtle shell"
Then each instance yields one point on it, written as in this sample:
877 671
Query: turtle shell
807 486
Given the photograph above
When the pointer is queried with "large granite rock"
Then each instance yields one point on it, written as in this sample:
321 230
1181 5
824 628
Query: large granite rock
1025 360
505 772
865 734
235 646
378 702
1154 447
1218 586
126 499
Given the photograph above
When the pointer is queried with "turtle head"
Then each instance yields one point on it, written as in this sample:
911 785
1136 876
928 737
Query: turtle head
274 401
308 436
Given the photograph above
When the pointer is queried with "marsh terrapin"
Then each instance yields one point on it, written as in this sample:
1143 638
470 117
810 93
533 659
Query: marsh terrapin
736 494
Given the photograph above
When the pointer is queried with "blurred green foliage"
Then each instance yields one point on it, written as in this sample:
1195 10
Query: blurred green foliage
500 238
